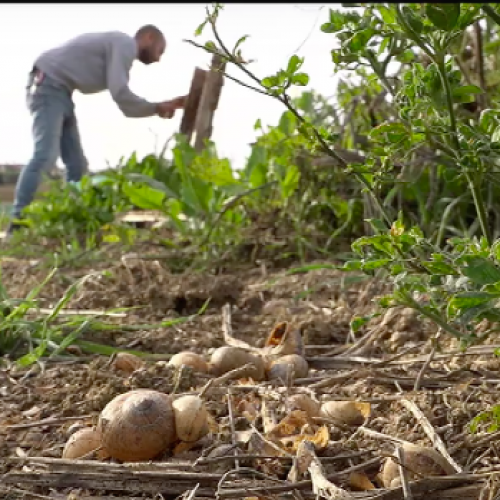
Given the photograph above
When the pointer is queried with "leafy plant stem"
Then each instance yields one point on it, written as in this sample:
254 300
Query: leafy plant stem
411 32
476 192
410 302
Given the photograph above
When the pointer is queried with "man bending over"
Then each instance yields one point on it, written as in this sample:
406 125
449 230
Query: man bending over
90 63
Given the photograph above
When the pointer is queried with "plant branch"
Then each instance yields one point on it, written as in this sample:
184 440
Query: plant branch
409 301
491 13
236 80
412 33
284 99
480 61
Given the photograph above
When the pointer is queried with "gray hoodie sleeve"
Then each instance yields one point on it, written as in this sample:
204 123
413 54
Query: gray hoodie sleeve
119 62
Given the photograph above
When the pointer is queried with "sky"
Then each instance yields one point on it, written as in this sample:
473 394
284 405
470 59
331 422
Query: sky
276 31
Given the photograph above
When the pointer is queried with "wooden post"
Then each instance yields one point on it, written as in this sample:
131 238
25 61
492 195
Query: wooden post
208 102
193 102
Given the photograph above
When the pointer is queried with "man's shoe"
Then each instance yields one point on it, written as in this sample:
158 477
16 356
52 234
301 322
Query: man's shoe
12 227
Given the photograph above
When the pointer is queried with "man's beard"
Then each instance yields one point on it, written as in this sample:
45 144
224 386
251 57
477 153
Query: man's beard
145 56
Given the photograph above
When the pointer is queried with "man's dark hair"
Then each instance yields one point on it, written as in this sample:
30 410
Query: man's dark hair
149 29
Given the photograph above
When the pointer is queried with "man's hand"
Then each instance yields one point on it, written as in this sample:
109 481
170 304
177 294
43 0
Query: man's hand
167 109
179 102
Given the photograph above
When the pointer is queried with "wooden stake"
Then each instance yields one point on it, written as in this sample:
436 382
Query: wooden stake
193 102
208 102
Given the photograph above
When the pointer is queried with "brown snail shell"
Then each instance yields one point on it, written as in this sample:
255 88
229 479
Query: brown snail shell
127 362
284 366
284 339
227 358
191 418
191 359
422 460
346 412
304 403
82 442
137 425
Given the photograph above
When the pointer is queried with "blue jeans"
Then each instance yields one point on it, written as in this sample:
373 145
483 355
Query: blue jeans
55 134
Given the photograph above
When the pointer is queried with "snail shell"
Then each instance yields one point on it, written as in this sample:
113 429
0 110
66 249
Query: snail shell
137 425
127 362
345 412
304 403
284 339
191 359
82 442
227 358
423 460
291 363
191 418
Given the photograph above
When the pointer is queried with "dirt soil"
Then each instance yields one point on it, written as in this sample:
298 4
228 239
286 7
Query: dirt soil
42 405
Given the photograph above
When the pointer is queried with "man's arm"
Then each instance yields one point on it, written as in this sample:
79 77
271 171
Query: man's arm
119 63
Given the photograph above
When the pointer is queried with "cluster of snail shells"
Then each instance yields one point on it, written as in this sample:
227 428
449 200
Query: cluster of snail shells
260 366
342 412
140 425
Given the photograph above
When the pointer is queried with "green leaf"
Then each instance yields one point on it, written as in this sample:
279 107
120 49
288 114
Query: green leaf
239 42
359 40
489 119
152 183
359 321
466 300
406 56
469 16
328 28
392 132
34 355
469 306
290 182
495 137
301 79
294 63
270 81
443 15
415 23
371 265
383 45
210 46
466 90
387 13
337 22
200 28
440 268
378 225
144 197
481 271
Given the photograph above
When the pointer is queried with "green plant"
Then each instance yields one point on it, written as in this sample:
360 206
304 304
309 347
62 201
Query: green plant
78 212
27 334
425 99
